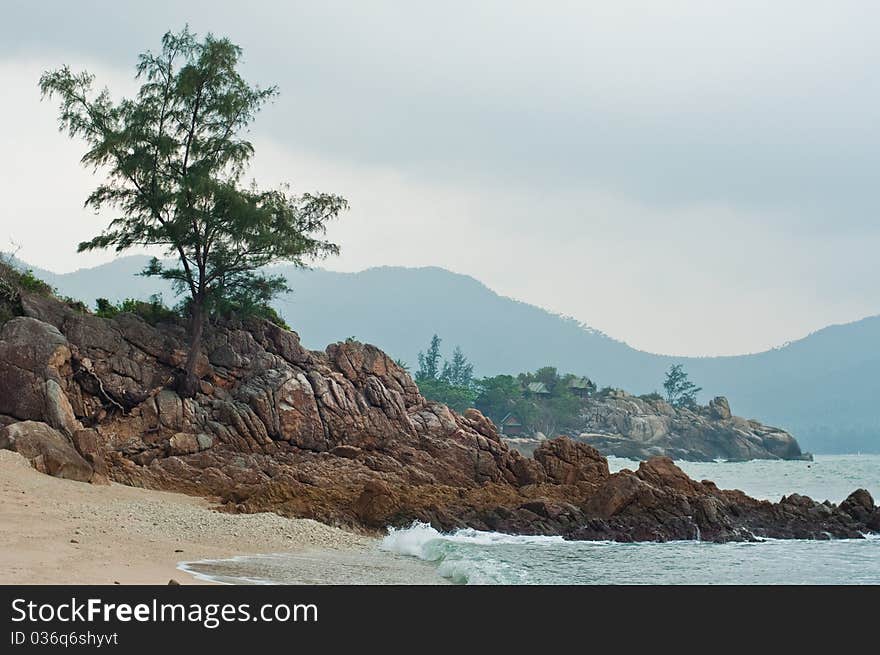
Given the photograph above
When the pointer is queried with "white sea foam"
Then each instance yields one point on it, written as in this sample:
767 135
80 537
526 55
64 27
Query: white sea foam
466 555
410 541
423 541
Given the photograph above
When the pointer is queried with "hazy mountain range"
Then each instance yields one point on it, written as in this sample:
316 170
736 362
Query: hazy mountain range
823 388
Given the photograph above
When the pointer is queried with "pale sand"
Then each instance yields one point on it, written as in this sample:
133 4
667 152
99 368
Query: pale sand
55 531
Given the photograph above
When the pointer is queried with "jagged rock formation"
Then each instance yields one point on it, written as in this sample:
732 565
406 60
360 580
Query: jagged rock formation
619 424
341 436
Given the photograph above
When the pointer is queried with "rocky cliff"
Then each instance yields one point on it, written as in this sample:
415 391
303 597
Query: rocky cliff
341 435
639 427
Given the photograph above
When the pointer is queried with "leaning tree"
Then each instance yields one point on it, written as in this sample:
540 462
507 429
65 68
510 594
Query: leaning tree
680 391
174 157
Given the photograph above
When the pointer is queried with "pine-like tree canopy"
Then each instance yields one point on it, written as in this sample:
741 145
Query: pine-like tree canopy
174 157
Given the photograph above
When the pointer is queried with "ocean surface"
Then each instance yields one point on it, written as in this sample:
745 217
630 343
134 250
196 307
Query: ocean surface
473 557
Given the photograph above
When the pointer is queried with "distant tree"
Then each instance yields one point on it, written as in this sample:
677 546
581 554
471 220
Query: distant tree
548 375
497 396
451 383
174 156
559 410
458 398
402 364
458 372
429 361
680 391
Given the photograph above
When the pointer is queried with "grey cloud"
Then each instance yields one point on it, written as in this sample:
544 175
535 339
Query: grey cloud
745 104
720 129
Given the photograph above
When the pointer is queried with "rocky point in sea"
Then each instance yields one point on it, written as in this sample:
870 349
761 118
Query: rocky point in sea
639 427
342 436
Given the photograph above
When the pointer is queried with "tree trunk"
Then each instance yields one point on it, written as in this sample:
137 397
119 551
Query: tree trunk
189 384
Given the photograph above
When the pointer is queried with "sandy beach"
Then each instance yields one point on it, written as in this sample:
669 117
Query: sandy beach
55 531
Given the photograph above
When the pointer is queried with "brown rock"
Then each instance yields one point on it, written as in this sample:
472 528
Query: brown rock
344 436
616 494
860 505
34 359
48 450
376 504
568 462
481 424
350 452
87 443
183 443
662 471
299 420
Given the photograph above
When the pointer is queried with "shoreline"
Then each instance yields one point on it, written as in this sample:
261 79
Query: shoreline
55 531
316 567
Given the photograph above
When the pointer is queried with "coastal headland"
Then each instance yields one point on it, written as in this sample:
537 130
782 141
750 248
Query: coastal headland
341 436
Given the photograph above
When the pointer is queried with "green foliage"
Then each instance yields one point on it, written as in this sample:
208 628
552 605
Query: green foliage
268 313
557 411
651 396
458 398
459 372
175 156
105 309
30 283
453 384
499 396
153 311
547 413
549 376
251 300
13 282
680 391
429 361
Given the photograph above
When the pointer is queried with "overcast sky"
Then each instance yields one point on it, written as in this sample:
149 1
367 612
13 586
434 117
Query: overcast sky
690 177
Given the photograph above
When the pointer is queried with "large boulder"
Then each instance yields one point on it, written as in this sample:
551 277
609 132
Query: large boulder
34 368
48 450
860 505
720 408
782 445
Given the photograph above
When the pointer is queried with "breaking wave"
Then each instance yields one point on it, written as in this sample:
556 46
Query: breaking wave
468 556
475 557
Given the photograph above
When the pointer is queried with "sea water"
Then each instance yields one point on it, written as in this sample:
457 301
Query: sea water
475 557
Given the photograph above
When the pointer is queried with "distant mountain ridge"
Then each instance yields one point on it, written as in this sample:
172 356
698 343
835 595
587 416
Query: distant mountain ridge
823 388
